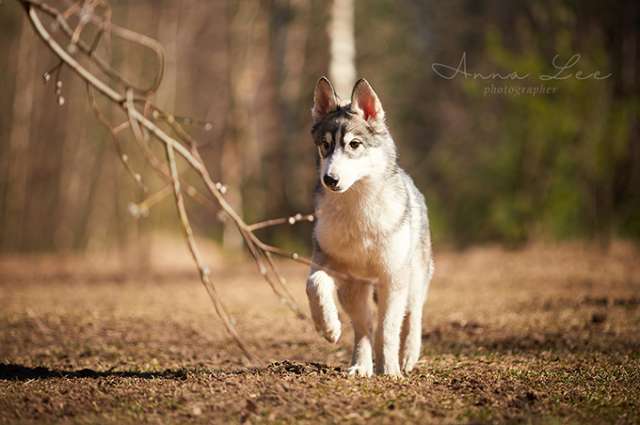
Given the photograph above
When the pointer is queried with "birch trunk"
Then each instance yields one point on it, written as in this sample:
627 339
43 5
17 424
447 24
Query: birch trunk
342 65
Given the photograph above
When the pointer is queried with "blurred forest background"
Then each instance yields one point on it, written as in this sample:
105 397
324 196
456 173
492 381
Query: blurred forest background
495 167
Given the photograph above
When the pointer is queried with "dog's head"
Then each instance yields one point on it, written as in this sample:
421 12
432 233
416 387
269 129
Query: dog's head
352 139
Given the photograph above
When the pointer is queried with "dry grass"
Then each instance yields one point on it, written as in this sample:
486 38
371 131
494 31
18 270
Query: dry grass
545 335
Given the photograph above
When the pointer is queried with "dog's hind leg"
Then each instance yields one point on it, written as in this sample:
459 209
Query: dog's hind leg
411 336
320 290
412 326
354 298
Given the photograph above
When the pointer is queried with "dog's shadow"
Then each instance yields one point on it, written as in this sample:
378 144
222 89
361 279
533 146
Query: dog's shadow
16 372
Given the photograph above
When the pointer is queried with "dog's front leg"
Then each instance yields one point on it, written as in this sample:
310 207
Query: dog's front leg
392 301
320 292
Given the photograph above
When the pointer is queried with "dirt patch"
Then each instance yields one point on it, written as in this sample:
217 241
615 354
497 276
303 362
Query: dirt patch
545 335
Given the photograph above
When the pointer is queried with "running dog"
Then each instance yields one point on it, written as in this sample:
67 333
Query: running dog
371 233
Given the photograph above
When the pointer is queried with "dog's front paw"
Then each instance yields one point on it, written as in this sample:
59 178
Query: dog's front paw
392 370
333 332
323 307
331 329
395 374
326 321
361 370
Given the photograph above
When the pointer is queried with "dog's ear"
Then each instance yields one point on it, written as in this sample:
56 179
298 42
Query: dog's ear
365 102
324 100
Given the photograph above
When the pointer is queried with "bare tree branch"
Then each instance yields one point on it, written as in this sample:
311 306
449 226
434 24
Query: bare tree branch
144 122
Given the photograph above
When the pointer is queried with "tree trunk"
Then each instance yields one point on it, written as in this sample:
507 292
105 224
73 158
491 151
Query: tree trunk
342 65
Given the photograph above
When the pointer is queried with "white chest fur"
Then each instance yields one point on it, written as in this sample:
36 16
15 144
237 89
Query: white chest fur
360 229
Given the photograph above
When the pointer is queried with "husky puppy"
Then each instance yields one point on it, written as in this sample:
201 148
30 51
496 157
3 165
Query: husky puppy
371 225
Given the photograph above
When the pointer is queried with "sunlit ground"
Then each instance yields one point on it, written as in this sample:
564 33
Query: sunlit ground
548 334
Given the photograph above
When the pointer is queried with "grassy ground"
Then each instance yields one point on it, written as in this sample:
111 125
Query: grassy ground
544 335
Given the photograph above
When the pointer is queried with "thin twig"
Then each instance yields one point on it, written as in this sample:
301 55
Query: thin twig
124 158
282 220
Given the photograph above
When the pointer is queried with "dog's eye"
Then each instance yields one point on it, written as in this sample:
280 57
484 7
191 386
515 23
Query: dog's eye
324 146
355 144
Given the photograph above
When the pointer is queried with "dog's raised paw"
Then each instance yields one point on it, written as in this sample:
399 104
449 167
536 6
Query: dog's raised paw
332 331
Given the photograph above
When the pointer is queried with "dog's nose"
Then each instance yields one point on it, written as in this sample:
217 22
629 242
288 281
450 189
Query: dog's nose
330 181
